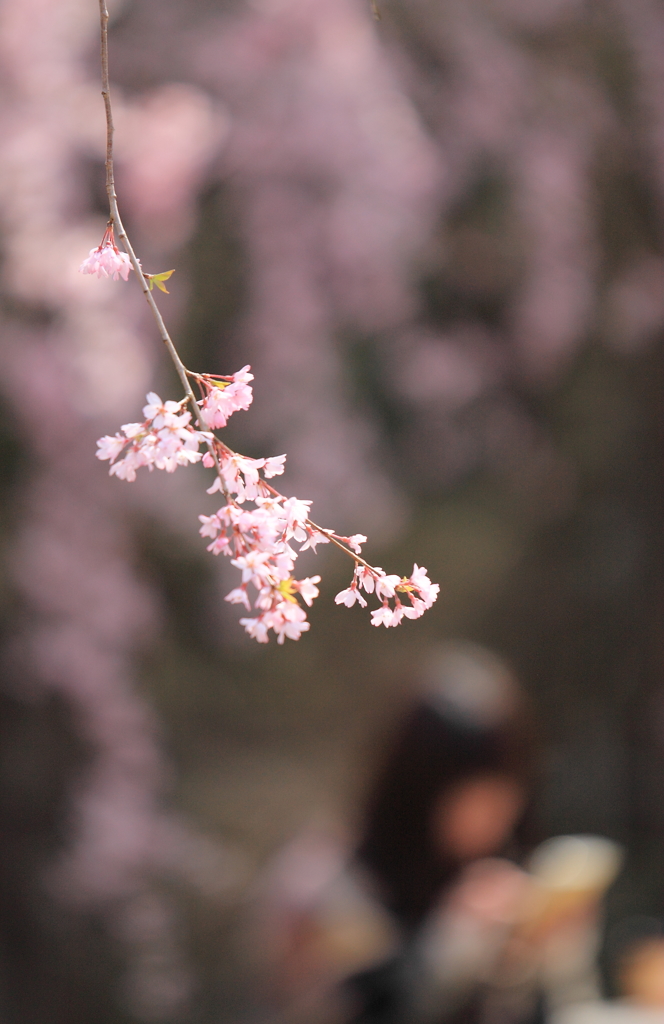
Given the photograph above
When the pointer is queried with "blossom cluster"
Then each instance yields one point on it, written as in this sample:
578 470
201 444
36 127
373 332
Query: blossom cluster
224 395
419 589
107 260
263 538
260 542
164 440
260 530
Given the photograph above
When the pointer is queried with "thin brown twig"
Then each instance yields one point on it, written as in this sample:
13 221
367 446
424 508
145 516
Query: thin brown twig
333 540
183 373
326 533
116 220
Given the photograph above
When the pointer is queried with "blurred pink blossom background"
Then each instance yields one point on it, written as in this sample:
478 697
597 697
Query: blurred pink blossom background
426 224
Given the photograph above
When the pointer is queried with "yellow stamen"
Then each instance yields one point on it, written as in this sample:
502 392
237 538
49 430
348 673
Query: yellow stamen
287 589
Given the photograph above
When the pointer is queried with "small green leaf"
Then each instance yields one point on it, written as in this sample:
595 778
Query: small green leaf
158 280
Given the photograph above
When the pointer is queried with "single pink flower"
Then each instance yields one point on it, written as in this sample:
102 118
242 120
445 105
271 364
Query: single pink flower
350 596
383 616
274 466
420 581
367 577
385 585
308 589
256 628
239 596
243 376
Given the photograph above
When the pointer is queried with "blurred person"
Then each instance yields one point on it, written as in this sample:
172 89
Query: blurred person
347 929
528 944
510 945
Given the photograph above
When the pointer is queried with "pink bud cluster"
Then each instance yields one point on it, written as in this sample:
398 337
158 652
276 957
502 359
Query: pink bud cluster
263 539
107 260
165 440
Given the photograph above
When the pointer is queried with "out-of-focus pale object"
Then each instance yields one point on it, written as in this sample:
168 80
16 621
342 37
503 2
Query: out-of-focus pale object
642 974
576 863
642 981
561 917
607 1013
471 685
569 872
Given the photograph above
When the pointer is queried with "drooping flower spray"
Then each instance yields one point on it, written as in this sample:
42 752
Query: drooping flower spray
259 529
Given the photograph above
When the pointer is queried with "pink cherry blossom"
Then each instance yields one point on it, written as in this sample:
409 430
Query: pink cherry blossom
211 526
239 596
255 567
165 441
428 591
417 608
315 537
126 468
419 589
350 596
367 577
107 260
382 616
239 476
218 406
397 614
386 585
242 395
405 611
256 628
243 376
224 396
297 513
289 620
308 590
220 546
160 412
257 526
110 447
274 466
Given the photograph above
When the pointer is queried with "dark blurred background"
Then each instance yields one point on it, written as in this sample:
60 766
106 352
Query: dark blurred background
438 240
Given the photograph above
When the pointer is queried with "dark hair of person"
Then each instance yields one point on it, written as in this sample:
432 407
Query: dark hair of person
436 747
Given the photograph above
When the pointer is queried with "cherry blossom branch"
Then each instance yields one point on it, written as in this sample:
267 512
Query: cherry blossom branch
116 220
259 540
331 536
